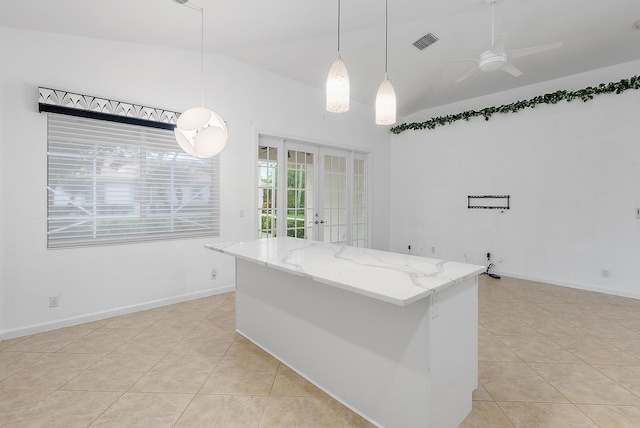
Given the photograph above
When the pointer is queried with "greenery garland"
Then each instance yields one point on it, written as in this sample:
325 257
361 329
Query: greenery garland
585 94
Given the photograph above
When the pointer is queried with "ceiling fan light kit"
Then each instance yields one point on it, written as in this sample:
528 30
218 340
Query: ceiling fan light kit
491 61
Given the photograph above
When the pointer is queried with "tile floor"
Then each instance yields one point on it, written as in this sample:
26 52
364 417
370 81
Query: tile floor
548 357
555 357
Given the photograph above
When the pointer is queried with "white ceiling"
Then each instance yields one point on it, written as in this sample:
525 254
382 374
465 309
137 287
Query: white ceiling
297 38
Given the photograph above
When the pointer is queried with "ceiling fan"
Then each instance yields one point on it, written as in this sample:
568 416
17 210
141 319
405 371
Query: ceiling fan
497 58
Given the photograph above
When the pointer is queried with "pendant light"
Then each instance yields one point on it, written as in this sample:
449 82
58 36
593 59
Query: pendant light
338 81
386 97
199 131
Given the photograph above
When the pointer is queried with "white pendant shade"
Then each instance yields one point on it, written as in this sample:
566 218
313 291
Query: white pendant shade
201 133
338 87
386 104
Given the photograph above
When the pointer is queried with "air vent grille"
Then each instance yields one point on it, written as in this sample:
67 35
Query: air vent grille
425 41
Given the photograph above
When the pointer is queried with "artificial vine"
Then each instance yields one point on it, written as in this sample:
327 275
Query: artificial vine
585 94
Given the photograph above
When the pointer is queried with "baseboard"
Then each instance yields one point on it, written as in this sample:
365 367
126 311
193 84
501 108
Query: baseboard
96 316
586 287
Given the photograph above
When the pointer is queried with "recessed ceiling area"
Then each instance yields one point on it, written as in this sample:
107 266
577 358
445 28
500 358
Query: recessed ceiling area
297 39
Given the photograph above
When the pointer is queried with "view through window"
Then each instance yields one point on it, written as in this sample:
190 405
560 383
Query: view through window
111 183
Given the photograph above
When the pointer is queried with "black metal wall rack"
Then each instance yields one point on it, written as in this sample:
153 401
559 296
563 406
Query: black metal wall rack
488 202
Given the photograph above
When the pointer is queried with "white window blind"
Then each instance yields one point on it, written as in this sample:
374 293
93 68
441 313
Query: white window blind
112 182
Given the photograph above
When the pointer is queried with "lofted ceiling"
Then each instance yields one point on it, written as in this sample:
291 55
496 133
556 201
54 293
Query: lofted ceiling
297 38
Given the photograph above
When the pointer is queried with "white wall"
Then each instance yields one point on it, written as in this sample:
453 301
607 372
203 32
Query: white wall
94 282
573 173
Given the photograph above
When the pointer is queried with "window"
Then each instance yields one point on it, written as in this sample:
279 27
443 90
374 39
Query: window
112 182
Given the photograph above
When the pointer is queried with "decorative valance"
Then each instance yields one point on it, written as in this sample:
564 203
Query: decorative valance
64 102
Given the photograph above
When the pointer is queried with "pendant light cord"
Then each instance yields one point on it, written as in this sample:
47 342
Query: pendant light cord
202 55
338 27
493 28
201 10
386 38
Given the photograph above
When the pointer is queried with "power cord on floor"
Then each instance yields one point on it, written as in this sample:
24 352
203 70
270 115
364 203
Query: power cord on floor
489 266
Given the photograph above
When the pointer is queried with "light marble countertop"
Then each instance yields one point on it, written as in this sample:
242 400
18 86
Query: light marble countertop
395 278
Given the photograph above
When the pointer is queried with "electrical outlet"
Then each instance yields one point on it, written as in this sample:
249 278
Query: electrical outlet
638 213
53 301
605 273
499 259
214 273
433 249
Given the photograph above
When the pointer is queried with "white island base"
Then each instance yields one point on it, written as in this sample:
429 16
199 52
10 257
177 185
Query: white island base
412 365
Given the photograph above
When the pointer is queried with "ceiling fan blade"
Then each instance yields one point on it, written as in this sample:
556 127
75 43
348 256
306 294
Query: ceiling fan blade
498 44
517 53
467 74
511 69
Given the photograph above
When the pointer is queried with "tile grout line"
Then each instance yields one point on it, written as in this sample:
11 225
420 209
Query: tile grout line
208 376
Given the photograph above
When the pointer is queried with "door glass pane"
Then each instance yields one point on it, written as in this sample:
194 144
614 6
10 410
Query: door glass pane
335 198
359 205
342 216
300 217
267 194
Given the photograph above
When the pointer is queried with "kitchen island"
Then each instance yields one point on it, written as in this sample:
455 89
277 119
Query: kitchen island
391 336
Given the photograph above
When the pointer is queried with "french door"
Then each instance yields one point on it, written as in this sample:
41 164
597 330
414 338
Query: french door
311 192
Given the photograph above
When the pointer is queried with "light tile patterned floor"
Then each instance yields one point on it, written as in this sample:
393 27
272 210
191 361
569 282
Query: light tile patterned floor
181 365
555 357
549 357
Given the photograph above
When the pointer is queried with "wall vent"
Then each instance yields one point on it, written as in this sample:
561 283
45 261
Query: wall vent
425 41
